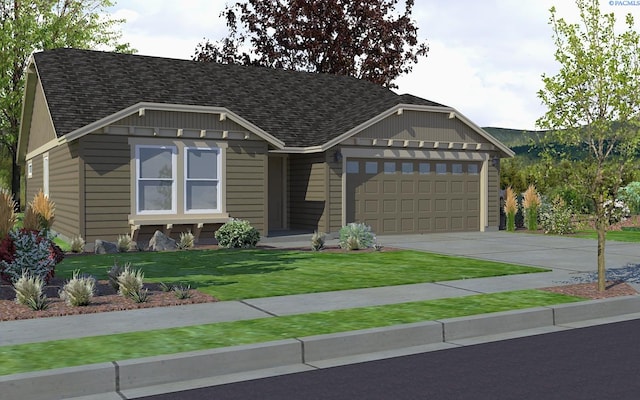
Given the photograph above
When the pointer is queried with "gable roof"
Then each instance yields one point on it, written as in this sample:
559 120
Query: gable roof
300 109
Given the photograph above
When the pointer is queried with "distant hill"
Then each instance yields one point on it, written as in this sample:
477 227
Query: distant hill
516 139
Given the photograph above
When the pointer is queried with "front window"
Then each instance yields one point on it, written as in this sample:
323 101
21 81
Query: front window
156 179
202 169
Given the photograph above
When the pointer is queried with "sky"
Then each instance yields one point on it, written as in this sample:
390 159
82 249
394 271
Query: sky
486 58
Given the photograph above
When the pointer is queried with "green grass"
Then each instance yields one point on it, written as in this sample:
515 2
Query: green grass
97 349
616 236
243 274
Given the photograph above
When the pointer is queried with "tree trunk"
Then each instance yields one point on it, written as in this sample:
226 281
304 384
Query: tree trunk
602 272
15 180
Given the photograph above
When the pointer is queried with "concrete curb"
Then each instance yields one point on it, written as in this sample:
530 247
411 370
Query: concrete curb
133 376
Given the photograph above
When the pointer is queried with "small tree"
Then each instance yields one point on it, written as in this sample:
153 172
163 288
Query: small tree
594 107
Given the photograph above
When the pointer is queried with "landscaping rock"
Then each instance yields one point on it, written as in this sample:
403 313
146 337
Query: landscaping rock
160 242
104 247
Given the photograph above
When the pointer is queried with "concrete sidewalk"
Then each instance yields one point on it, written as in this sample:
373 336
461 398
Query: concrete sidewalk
568 258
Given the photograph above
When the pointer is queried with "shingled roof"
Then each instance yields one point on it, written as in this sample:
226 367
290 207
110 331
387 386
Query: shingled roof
299 108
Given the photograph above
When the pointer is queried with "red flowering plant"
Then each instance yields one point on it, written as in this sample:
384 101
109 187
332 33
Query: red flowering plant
31 251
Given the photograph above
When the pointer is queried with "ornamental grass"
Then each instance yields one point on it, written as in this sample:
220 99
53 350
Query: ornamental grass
45 210
8 216
510 209
531 203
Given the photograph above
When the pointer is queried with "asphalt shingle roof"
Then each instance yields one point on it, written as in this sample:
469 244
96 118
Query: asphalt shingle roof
299 108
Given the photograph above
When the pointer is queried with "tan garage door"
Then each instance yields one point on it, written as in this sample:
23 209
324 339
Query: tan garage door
413 196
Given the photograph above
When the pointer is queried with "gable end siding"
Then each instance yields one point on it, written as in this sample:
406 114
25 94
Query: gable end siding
182 120
64 188
418 125
42 130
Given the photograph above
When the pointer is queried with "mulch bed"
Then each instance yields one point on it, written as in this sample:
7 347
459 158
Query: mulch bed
106 299
590 290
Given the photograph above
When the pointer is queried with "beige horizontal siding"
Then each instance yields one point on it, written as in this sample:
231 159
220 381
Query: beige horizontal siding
307 192
107 192
64 188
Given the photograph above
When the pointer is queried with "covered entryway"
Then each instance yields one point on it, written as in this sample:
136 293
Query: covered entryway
409 196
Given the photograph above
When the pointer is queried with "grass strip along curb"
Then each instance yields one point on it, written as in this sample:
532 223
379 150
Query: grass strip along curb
90 350
245 274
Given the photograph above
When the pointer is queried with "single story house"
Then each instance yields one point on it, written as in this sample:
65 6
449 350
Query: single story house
129 144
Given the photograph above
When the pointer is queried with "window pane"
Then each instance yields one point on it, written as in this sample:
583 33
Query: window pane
456 168
473 169
155 195
425 168
352 167
407 168
390 168
371 167
202 164
441 168
155 163
202 195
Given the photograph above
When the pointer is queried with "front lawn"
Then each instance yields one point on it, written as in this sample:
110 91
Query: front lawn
96 349
243 274
616 236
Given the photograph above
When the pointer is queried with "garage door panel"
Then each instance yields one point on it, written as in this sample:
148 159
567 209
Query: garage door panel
413 196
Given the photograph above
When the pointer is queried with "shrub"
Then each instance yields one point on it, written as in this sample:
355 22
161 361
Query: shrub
182 292
237 233
356 236
130 282
630 194
28 289
79 290
77 244
114 272
317 241
45 209
8 215
30 220
531 204
556 217
616 211
30 251
123 243
510 209
186 241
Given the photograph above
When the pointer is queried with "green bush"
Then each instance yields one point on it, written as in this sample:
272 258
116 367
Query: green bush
630 194
237 233
556 217
79 290
355 236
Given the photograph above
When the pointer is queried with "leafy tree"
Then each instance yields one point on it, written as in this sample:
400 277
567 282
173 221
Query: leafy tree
365 39
594 103
28 26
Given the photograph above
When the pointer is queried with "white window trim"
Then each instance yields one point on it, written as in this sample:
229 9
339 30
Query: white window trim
174 196
218 180
29 169
45 174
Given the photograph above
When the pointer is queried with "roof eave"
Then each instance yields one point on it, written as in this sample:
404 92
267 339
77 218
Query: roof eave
136 108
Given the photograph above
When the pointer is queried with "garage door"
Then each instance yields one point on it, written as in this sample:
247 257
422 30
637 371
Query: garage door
413 196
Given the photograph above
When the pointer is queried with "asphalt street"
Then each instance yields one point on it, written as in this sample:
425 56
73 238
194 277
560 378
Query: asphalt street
599 362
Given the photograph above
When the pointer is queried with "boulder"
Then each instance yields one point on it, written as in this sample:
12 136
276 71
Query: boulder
104 247
161 242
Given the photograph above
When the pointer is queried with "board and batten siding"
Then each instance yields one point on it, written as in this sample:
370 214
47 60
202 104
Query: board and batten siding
64 188
246 182
308 192
107 194
180 120
41 131
420 125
